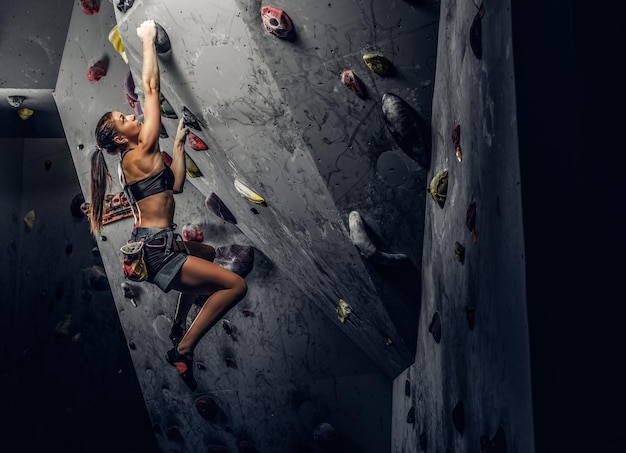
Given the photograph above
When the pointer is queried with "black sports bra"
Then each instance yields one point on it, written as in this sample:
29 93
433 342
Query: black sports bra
162 181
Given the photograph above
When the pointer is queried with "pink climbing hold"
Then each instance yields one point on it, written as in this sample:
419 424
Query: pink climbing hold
276 21
352 82
96 72
90 7
192 232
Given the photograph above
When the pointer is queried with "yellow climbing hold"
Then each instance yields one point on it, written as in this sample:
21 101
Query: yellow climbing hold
439 187
248 193
377 62
25 113
192 169
29 219
343 310
118 45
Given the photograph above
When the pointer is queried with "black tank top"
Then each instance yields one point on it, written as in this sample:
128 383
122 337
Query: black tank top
138 190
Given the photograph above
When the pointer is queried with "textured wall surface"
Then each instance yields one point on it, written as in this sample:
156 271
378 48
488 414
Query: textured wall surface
471 380
276 117
292 364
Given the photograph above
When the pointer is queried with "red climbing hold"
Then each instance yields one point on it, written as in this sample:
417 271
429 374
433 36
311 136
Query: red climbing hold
96 72
352 82
192 232
90 6
276 21
196 142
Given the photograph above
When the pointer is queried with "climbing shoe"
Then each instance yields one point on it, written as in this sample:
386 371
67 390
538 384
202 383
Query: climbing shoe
184 365
177 332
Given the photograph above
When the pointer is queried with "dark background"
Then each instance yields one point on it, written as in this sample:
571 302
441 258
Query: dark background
571 97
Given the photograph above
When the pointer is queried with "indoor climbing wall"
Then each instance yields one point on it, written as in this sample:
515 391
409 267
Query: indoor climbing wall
469 388
334 294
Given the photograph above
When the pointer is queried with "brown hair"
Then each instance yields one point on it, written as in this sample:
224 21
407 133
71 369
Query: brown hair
100 176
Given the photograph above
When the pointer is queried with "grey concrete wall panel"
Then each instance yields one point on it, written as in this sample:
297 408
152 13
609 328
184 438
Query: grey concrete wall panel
283 362
486 368
253 128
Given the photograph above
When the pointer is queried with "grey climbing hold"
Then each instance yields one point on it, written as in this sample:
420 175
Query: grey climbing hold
435 327
217 207
367 248
162 40
410 131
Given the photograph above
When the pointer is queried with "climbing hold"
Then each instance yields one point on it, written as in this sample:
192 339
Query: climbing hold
408 128
29 219
25 113
131 95
77 337
196 142
161 40
206 407
69 248
352 82
192 232
217 207
162 132
75 206
96 278
458 417
96 71
249 194
407 387
324 433
439 187
276 21
189 119
435 327
227 327
476 31
459 252
63 327
377 63
118 45
123 5
166 108
192 169
238 259
410 416
167 159
128 293
15 101
47 164
343 310
132 346
90 6
470 221
367 248
456 141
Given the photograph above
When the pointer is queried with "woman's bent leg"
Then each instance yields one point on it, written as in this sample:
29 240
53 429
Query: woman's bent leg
199 276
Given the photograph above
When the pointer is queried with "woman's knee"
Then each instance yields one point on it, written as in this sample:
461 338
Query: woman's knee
240 287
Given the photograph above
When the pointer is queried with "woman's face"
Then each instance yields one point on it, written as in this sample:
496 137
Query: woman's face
127 126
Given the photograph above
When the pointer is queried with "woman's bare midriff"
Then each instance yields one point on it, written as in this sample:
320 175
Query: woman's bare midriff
157 211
